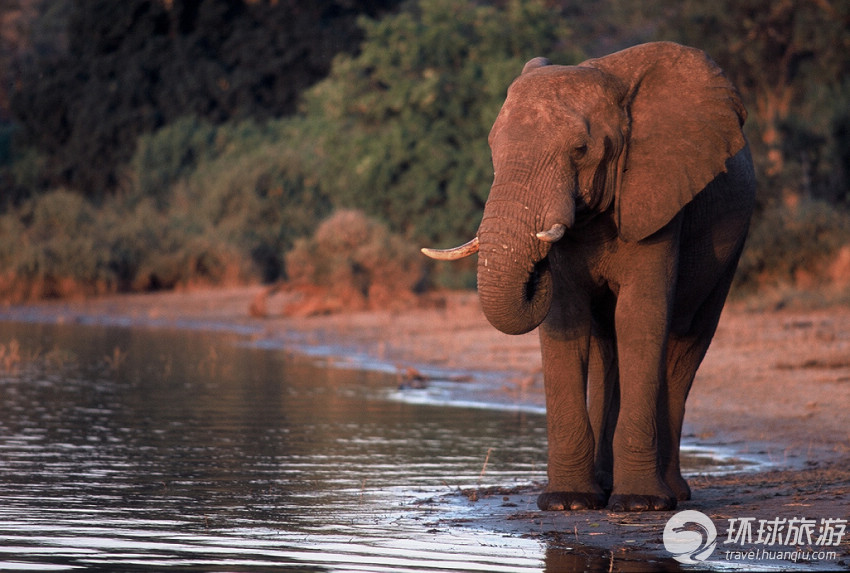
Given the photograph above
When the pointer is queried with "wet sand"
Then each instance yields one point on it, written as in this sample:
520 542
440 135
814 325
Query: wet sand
775 385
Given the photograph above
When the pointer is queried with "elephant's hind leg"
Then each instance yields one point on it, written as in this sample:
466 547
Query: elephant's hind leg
718 226
684 356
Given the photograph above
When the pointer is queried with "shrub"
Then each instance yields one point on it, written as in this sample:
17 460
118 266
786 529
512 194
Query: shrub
246 188
65 246
793 245
206 204
353 262
257 196
58 249
155 250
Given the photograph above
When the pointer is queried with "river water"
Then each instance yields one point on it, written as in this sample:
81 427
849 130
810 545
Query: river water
136 448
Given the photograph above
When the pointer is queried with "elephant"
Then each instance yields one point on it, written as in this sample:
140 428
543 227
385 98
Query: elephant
622 195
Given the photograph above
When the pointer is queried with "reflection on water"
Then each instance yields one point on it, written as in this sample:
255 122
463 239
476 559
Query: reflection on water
137 449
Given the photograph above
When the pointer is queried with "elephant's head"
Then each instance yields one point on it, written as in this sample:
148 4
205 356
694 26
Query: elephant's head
639 133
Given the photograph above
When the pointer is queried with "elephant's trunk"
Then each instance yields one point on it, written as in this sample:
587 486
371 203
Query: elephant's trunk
514 280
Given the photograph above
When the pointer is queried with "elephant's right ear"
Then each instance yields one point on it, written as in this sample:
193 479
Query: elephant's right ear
685 122
534 64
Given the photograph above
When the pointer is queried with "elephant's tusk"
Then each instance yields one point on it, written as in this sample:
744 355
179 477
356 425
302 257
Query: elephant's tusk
454 254
554 234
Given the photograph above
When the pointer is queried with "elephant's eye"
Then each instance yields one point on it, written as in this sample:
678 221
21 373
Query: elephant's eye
580 151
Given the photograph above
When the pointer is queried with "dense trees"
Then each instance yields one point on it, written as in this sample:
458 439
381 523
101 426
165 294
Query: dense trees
790 59
195 119
405 122
136 65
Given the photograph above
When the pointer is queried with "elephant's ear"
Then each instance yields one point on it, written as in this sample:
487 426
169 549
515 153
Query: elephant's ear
531 65
685 122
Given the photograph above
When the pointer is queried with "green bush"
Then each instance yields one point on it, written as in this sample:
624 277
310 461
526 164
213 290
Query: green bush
257 196
405 122
65 246
793 245
353 262
165 156
58 248
205 204
154 250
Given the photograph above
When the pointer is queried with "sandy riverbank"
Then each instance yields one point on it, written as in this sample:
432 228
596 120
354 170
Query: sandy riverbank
774 384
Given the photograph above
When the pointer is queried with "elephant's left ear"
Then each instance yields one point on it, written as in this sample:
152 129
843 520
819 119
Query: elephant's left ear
686 120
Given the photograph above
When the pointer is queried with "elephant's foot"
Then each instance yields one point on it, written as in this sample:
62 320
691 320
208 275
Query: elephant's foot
635 502
679 487
570 500
645 493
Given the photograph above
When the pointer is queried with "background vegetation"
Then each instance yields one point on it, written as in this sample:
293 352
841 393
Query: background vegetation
160 143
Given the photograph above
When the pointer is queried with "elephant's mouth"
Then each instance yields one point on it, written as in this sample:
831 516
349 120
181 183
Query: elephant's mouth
536 279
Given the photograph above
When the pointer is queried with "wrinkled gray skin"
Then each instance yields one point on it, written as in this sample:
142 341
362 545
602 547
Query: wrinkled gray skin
641 157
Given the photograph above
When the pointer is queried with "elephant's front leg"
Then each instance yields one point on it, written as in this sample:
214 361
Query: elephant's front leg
642 325
571 444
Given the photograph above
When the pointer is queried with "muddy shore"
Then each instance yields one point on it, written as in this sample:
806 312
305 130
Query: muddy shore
775 385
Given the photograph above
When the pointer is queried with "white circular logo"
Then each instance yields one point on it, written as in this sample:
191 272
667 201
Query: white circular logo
690 536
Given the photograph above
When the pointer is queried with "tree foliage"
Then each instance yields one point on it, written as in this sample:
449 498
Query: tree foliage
406 120
136 65
790 60
175 118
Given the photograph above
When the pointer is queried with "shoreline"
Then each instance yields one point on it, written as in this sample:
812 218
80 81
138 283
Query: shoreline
774 385
778 379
